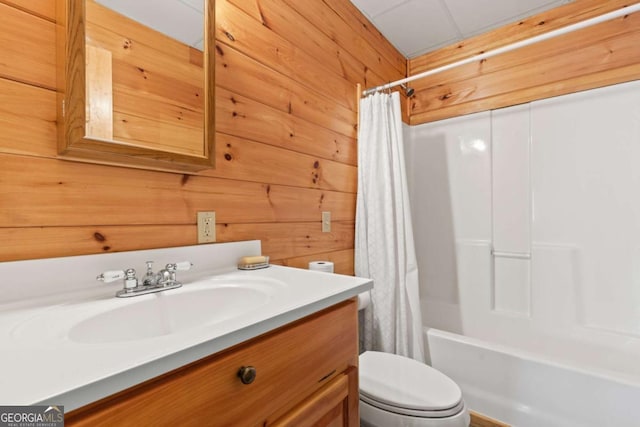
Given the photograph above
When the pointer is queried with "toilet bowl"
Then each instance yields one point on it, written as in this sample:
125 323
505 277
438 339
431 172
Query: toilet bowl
402 392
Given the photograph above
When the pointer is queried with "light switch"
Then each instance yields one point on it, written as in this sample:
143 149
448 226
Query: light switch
326 222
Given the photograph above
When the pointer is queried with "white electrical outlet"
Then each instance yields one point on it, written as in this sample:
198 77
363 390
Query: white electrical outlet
326 222
206 227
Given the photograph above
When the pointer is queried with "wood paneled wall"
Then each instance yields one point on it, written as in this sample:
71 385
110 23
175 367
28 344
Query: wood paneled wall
286 149
600 55
286 78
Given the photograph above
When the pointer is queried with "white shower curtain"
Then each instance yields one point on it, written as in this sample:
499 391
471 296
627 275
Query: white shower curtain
384 249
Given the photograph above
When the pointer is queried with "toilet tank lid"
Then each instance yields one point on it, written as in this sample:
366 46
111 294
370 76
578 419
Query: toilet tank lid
406 383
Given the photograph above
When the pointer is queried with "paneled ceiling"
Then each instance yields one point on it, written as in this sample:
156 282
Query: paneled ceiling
416 27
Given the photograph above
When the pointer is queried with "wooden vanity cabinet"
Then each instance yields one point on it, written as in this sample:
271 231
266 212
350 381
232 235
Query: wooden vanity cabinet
306 375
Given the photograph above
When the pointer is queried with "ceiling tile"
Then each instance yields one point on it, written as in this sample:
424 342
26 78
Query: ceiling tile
417 25
482 14
196 4
372 8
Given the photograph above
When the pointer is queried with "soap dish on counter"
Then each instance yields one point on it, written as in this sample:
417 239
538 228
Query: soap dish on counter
253 262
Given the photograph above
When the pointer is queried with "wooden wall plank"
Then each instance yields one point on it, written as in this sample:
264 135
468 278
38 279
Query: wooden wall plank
586 82
480 420
161 109
365 35
168 136
149 59
156 85
287 23
42 8
603 54
308 28
612 53
318 16
29 42
542 51
55 193
549 20
48 242
240 116
27 119
241 159
279 240
236 28
24 100
25 135
243 75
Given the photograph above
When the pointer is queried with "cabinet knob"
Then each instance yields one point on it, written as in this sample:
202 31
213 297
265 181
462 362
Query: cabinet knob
247 374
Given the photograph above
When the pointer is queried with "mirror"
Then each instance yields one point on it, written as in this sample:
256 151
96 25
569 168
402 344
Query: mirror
137 85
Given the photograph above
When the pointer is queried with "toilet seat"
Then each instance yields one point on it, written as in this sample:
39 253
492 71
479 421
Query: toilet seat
404 386
414 413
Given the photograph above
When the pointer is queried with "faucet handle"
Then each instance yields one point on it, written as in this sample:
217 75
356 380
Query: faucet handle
183 266
167 276
179 266
129 276
111 276
130 279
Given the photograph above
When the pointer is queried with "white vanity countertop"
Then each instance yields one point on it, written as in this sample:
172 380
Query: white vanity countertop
40 364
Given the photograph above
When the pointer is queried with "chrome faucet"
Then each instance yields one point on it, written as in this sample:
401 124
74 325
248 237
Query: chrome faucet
149 278
167 276
150 282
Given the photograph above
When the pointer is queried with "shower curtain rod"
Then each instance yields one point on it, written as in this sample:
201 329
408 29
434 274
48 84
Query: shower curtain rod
546 36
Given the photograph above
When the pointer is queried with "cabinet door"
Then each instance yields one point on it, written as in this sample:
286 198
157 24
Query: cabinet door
337 404
328 407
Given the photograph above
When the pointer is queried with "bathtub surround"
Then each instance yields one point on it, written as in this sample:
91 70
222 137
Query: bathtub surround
528 391
526 230
384 249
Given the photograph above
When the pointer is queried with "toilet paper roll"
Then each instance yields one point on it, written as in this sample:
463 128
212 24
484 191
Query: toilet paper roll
326 266
364 299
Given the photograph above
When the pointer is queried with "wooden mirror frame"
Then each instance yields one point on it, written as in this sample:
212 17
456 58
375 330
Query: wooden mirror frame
73 144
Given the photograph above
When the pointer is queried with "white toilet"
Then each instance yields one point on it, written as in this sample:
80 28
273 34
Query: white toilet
396 391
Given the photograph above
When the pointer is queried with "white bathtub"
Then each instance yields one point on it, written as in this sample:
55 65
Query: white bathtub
524 390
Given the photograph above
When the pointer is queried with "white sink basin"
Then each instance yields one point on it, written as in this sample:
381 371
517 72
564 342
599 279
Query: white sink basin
154 315
167 313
